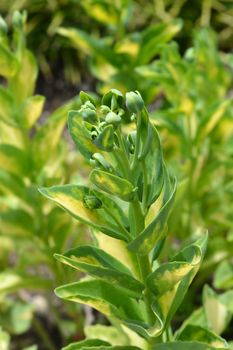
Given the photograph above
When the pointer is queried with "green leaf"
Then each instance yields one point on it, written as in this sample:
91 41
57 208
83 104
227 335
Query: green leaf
13 159
96 344
113 335
71 198
170 281
13 185
31 347
4 340
22 84
113 184
102 296
48 137
118 335
11 281
105 140
80 135
31 110
117 249
184 345
227 299
212 118
17 222
84 97
153 164
97 263
150 236
217 313
8 62
17 317
91 45
203 335
154 37
197 318
6 105
86 344
146 136
223 277
102 12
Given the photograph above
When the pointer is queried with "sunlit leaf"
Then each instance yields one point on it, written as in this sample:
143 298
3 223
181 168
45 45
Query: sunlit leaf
98 263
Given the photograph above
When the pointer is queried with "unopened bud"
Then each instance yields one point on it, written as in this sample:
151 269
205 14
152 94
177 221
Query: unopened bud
18 20
92 202
89 115
134 102
113 118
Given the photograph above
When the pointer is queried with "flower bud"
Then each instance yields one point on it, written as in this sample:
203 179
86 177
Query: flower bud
90 105
105 109
134 102
18 20
113 118
92 202
89 115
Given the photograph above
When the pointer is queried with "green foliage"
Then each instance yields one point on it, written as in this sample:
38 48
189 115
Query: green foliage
137 268
128 281
31 153
195 119
112 62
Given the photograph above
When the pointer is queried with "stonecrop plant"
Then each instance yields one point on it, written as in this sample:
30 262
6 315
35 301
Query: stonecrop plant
126 206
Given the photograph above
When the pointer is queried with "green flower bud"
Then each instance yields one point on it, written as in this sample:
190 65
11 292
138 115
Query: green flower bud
89 115
18 20
113 118
90 105
92 202
105 109
134 102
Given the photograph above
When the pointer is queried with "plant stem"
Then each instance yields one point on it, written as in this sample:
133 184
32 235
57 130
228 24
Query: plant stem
43 334
143 261
139 214
144 197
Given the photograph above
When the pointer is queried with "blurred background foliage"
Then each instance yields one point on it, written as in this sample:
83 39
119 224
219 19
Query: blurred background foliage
112 20
178 54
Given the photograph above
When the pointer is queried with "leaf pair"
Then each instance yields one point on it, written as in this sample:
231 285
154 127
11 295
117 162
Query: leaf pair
108 218
97 263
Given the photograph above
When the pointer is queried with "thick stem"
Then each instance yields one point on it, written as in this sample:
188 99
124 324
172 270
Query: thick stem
138 224
143 261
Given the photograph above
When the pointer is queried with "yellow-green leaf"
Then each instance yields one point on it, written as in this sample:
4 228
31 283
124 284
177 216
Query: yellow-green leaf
113 184
31 110
99 264
104 297
72 199
217 313
8 62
